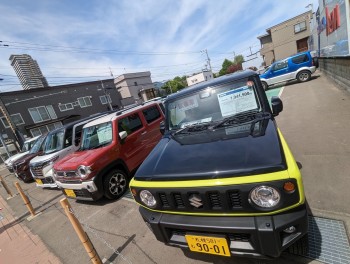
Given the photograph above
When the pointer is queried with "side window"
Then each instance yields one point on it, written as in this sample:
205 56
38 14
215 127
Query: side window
300 59
280 65
151 114
130 124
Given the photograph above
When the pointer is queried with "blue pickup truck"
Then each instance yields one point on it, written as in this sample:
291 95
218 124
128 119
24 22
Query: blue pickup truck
298 67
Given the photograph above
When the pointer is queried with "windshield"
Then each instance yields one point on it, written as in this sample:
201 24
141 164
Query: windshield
37 146
213 104
54 142
97 136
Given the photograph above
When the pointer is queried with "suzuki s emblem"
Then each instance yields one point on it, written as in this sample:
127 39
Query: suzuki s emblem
195 200
64 174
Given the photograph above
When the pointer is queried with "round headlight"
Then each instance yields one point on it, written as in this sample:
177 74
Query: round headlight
147 198
83 171
265 196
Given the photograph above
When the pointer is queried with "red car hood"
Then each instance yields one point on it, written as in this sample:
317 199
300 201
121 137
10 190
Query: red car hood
86 157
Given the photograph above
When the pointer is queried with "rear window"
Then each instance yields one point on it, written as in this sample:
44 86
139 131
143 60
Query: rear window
151 114
300 59
130 124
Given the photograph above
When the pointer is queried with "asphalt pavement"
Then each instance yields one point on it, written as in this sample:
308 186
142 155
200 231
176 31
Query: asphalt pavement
315 123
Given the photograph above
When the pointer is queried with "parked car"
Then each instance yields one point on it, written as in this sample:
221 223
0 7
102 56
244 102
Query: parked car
111 150
28 144
298 67
59 143
223 180
21 166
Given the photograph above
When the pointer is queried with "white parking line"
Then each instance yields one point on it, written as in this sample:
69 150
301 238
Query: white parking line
281 91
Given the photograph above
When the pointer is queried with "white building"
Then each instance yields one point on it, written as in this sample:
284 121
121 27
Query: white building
199 77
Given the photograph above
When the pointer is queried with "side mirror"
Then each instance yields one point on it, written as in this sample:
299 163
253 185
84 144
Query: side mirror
123 135
277 105
162 127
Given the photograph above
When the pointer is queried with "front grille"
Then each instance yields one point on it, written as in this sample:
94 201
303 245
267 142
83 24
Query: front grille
179 203
210 200
69 181
66 174
215 200
37 171
235 199
239 237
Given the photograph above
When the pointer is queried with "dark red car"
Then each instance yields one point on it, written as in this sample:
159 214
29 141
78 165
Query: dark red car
21 166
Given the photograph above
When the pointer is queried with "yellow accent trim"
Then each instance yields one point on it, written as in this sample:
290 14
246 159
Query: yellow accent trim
291 172
224 214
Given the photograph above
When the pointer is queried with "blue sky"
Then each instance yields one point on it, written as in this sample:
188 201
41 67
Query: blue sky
76 41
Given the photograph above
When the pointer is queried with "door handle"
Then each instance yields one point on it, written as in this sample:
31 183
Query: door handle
143 133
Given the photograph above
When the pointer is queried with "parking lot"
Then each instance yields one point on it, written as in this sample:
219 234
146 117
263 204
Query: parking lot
315 123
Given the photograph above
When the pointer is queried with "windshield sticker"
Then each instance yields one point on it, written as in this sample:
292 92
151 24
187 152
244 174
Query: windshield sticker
236 101
186 104
104 134
195 122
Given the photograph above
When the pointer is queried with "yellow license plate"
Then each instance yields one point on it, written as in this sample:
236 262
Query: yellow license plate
38 181
208 244
70 193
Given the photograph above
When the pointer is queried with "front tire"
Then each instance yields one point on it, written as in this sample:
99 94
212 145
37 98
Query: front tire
264 85
304 76
115 183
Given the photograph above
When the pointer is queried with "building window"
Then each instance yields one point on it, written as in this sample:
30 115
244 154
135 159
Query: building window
300 27
42 113
17 119
65 107
45 129
135 83
4 122
104 98
84 101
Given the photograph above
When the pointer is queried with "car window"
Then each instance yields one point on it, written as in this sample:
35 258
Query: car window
280 65
152 113
300 59
130 124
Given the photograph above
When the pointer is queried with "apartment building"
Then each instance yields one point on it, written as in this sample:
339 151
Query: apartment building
36 111
286 38
28 72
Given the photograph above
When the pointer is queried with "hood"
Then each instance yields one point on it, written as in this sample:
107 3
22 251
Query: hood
73 160
13 158
43 158
226 152
26 158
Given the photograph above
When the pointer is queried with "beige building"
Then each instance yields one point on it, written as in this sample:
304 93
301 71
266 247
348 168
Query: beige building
286 38
199 77
135 87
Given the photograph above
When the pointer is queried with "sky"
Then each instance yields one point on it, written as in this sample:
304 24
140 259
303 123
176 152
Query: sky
78 41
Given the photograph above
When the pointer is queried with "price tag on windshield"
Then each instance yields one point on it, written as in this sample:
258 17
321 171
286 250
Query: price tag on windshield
236 101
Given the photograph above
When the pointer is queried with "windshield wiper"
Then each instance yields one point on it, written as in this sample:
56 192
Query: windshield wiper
192 128
236 119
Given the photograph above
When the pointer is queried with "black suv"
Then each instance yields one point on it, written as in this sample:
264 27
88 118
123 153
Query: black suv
223 180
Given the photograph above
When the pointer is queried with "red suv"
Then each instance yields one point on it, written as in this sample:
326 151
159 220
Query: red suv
112 148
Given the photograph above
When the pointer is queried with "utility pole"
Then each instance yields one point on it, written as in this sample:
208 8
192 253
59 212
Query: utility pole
208 59
107 98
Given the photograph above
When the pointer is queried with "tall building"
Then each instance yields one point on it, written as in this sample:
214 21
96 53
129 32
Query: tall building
28 72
